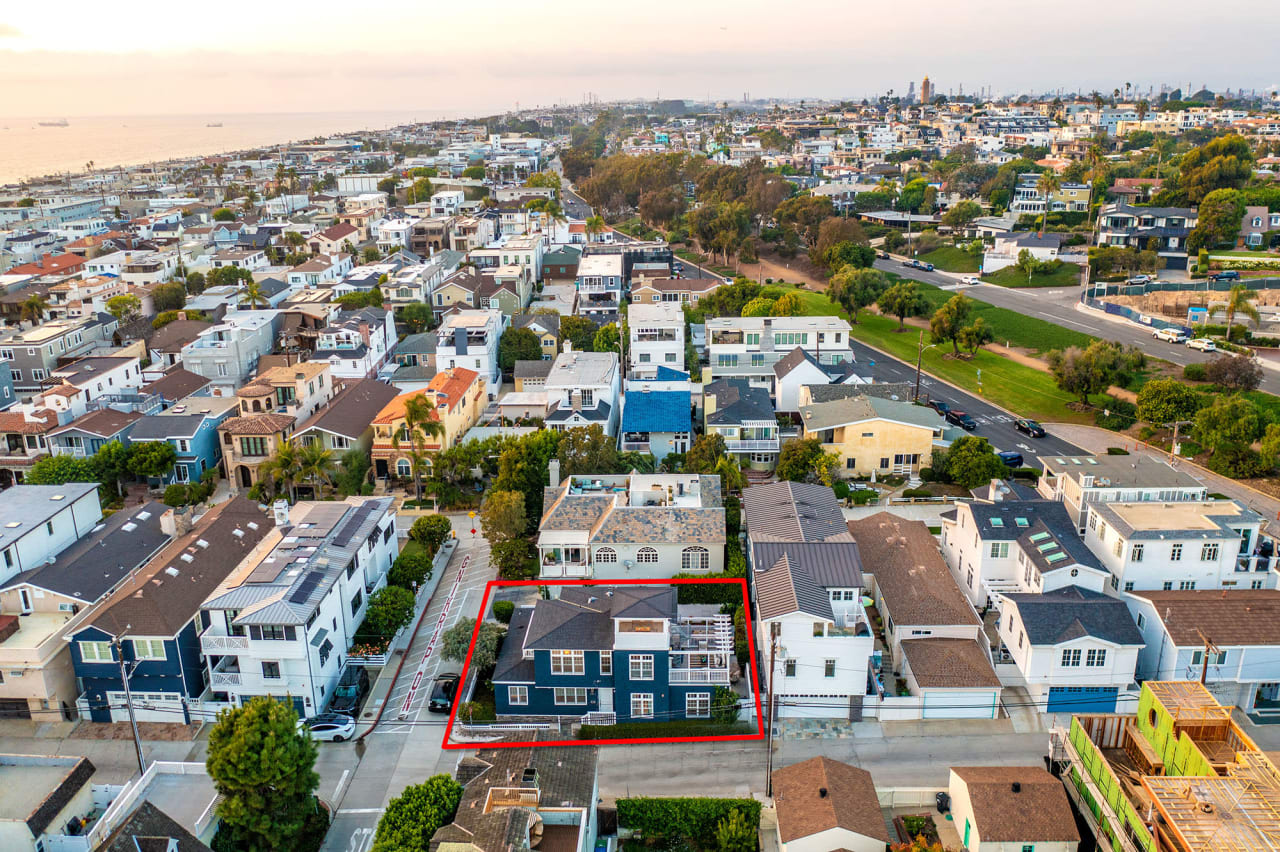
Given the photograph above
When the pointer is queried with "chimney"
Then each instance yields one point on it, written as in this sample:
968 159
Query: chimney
176 523
997 493
364 331
568 346
553 472
281 510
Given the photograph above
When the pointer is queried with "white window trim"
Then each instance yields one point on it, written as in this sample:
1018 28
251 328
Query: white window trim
522 692
640 662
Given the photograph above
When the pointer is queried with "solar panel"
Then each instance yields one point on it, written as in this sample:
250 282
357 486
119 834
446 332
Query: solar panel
306 587
348 530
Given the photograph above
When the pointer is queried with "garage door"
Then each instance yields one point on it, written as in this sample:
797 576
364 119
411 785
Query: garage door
813 707
977 704
14 708
1082 699
148 707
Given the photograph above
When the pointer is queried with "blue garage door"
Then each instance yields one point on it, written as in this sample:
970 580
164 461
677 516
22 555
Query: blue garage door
1082 699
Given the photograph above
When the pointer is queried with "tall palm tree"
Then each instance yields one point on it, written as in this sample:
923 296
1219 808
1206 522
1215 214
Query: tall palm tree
283 468
253 293
420 424
1143 108
218 171
595 225
1239 301
34 308
250 199
316 465
1047 185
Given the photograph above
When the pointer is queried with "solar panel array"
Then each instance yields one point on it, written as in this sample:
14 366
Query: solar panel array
306 587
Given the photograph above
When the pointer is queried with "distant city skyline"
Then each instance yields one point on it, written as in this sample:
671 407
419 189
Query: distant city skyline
157 58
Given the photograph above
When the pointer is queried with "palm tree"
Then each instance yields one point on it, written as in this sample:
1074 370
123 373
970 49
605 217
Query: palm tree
282 469
1239 300
1143 108
34 308
253 293
250 199
1047 186
420 423
218 170
316 465
595 225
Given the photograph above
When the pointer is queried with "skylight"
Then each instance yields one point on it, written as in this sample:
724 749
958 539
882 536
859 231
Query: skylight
1047 546
1055 557
997 522
1022 522
1040 536
129 527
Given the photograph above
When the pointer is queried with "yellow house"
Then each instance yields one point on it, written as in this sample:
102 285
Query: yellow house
874 436
458 395
460 289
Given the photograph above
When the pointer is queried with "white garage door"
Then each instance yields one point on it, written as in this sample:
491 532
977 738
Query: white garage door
147 707
945 704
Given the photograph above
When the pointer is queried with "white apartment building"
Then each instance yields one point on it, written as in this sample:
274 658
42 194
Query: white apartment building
281 623
447 202
1151 546
1080 481
469 338
656 333
748 347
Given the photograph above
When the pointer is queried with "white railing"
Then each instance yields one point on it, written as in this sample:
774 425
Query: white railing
635 446
123 804
759 445
600 717
566 569
699 675
224 679
215 644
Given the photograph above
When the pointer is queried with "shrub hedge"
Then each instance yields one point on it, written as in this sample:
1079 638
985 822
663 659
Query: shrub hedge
707 593
692 818
675 728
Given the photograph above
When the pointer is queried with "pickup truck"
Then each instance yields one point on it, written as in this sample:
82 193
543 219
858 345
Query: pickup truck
1169 335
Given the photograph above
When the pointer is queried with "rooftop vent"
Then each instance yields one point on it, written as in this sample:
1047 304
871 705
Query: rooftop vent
58 497
1016 787
13 524
238 533
129 527
187 558
822 792
201 543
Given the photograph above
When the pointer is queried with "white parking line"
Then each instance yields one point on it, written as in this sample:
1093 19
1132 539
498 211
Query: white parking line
337 791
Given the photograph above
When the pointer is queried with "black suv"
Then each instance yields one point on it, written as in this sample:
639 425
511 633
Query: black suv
348 697
939 406
962 420
442 692
1228 275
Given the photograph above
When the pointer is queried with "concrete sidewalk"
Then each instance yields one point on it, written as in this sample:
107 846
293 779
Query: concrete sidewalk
1097 440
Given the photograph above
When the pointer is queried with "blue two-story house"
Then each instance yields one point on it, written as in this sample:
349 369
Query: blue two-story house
154 621
191 426
613 654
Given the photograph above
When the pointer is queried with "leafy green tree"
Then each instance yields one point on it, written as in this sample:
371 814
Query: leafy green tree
734 833
948 321
1083 372
316 466
833 234
975 335
389 184
854 289
707 451
1222 163
411 568
788 305
56 470
1231 419
903 300
1270 444
416 814
522 466
457 640
263 769
579 331
111 463
587 451
962 214
970 462
224 214
758 307
416 317
1239 301
473 172
34 309
1220 216
370 254
607 338
353 471
1164 401
518 344
503 517
1234 372
799 458
195 283
389 609
170 296
152 459
431 531
725 705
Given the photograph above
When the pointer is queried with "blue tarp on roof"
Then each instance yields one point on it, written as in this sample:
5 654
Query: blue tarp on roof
657 411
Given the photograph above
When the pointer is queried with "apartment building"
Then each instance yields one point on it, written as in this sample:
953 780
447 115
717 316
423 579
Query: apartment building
469 338
656 338
227 353
748 347
457 396
1079 481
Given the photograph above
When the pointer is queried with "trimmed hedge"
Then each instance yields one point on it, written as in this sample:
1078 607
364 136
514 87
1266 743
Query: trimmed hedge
692 818
503 610
707 593
650 730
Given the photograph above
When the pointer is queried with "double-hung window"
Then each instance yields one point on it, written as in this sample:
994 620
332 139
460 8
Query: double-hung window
642 705
148 649
518 695
570 695
1071 656
1209 552
697 705
1096 657
567 663
642 666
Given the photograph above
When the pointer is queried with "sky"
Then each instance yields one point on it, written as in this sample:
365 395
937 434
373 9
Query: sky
86 57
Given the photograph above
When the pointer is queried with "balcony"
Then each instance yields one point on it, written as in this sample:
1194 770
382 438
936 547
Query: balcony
215 644
635 446
757 445
706 675
552 570
225 673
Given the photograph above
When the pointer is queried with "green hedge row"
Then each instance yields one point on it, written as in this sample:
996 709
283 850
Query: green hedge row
677 728
693 818
707 593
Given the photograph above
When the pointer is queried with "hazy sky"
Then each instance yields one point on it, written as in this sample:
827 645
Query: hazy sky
82 57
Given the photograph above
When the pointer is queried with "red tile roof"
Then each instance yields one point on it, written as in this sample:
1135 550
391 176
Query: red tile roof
51 264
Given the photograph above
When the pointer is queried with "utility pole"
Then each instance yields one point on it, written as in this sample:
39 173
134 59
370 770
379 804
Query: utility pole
1208 647
773 650
128 696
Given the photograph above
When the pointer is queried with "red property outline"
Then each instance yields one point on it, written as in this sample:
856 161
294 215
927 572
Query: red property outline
484 607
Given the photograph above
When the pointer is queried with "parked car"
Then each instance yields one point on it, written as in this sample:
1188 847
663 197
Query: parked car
910 264
1169 335
1139 279
1011 458
330 727
927 267
971 280
349 695
1204 344
442 692
964 421
884 255
1225 275
939 406
1029 427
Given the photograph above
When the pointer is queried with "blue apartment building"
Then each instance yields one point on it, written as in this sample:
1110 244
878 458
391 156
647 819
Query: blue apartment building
613 654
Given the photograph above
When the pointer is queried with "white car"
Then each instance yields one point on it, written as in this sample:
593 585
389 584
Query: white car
1204 344
971 280
334 727
1169 335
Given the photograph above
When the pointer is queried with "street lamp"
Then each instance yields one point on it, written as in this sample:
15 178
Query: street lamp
920 347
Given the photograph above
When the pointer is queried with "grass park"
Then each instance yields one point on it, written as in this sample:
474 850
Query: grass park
1065 275
952 259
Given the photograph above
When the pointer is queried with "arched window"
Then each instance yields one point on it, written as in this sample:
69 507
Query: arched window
403 468
694 559
647 555
606 554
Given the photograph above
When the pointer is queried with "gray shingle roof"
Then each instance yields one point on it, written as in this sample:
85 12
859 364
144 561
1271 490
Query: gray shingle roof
738 401
1072 612
887 390
560 624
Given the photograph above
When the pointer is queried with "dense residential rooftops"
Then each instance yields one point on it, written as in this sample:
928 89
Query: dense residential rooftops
634 508
820 794
1229 617
910 571
793 511
103 422
1072 612
1018 804
351 411
737 401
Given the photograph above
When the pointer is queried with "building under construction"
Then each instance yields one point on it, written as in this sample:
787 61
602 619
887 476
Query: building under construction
1180 775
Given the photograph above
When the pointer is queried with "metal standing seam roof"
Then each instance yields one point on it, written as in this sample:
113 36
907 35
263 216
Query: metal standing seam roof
793 511
784 588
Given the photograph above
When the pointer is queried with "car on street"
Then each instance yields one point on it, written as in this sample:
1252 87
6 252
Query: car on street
1226 275
964 421
939 406
1169 335
1139 279
1204 344
349 694
884 255
442 692
927 267
1011 458
330 727
1029 427
971 280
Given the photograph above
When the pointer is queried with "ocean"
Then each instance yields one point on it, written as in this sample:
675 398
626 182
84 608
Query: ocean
28 150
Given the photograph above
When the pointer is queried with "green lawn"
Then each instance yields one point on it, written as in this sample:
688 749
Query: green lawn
1066 275
1025 390
952 259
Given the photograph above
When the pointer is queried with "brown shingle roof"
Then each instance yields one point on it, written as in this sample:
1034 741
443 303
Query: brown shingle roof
940 663
1037 813
104 421
910 572
176 384
1246 617
352 411
257 424
821 794
177 334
